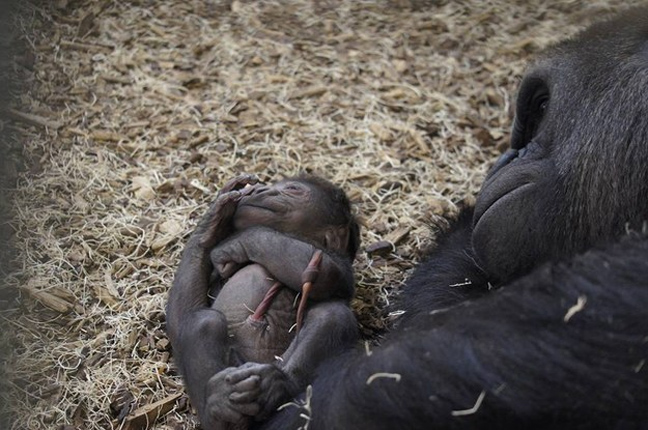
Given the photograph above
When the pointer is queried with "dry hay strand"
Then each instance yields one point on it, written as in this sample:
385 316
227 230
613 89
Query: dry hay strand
140 110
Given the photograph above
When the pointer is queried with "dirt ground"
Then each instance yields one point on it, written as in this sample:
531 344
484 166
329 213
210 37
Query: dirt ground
132 114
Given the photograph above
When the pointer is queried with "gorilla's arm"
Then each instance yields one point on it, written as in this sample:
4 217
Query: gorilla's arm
564 337
286 258
188 293
191 282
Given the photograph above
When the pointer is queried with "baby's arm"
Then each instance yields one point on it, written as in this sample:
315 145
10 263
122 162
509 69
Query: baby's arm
285 257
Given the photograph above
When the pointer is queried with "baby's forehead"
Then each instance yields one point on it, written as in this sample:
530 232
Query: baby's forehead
323 193
312 185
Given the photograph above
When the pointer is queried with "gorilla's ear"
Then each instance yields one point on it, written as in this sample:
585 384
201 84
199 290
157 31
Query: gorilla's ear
336 238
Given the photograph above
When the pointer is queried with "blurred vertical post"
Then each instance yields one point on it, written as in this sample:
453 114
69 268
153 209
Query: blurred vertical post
10 153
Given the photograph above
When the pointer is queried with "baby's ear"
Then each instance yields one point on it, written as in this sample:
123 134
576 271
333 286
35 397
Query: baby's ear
336 238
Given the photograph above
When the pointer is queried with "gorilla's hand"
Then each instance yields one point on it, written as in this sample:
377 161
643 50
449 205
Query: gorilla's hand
232 395
229 257
216 224
239 182
268 385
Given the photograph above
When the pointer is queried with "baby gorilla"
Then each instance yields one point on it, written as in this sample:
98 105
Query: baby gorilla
262 245
308 208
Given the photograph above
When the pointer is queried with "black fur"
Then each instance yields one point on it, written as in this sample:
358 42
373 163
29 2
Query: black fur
450 268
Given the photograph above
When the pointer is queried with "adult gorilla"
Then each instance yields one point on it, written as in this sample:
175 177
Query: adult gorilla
558 226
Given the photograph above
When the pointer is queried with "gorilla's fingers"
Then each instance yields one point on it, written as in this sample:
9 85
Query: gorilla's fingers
224 200
247 385
245 397
242 372
226 270
239 182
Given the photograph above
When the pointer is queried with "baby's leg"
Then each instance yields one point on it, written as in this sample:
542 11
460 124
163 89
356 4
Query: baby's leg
215 394
329 329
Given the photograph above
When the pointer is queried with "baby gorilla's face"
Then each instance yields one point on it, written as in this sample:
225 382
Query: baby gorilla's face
288 206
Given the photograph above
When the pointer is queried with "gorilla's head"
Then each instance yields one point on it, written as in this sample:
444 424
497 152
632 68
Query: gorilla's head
577 171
